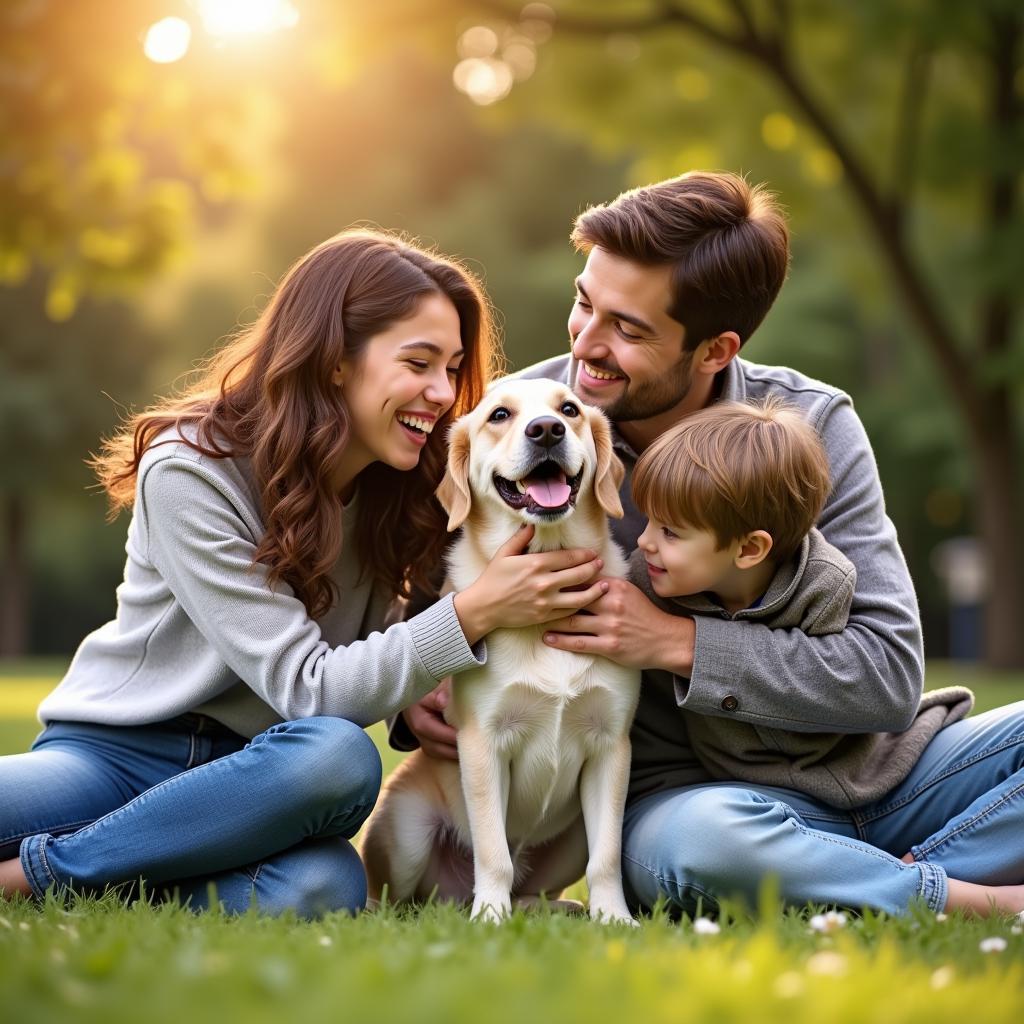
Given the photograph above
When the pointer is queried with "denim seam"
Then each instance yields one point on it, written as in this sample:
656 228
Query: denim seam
934 888
190 762
951 770
985 812
73 826
879 855
141 796
31 852
665 881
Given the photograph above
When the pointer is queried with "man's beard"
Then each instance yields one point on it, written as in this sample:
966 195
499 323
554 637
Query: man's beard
649 399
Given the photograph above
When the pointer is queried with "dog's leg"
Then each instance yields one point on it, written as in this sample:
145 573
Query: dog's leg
402 834
603 783
554 865
485 782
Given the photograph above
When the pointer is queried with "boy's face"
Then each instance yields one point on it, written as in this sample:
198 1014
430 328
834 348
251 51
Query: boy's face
632 362
683 560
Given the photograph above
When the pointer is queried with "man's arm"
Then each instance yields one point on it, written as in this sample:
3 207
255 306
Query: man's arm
867 678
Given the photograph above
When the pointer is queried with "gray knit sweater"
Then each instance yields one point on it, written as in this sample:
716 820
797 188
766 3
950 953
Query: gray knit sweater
812 592
199 628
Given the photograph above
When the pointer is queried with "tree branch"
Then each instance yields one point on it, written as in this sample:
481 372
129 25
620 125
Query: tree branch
908 128
746 19
924 305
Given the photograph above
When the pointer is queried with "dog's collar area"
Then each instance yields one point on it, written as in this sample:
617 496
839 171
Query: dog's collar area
545 491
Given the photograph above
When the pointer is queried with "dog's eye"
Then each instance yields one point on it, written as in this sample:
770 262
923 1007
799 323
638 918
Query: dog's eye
570 409
499 414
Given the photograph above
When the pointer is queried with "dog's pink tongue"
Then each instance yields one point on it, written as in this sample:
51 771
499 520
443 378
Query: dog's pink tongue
548 493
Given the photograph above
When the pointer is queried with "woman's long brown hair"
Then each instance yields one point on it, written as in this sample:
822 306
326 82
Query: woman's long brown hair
268 395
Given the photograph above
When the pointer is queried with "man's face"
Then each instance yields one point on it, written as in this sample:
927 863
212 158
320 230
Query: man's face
630 351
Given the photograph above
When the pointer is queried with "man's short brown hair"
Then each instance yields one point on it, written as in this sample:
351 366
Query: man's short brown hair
736 467
726 240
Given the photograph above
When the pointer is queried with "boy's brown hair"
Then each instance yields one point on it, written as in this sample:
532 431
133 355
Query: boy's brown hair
736 467
726 240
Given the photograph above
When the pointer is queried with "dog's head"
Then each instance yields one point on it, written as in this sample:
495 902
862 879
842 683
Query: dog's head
531 448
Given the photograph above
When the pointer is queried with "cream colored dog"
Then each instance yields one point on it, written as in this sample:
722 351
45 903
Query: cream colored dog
543 734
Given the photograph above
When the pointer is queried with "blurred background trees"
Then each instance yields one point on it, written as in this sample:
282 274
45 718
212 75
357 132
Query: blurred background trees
146 206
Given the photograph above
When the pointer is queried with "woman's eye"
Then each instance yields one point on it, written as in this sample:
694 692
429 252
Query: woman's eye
582 302
453 371
626 334
419 364
499 414
570 409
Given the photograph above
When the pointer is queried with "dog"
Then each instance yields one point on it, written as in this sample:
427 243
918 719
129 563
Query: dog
543 735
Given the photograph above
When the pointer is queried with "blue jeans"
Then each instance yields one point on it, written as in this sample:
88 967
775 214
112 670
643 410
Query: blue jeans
184 803
960 813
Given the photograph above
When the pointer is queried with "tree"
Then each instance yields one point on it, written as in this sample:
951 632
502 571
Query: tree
914 109
106 165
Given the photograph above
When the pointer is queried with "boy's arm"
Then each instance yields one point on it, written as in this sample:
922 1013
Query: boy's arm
867 678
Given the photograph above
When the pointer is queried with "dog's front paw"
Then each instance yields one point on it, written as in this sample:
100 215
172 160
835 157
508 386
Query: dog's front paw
612 913
491 907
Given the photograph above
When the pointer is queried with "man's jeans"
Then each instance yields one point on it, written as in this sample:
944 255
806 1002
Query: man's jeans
960 813
186 802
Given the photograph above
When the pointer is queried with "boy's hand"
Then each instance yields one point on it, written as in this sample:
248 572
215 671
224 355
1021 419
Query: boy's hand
626 627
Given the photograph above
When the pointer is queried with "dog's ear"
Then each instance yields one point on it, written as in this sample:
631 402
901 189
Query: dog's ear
610 470
453 490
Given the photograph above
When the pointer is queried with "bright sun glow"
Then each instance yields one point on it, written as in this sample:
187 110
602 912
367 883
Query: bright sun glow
242 17
167 40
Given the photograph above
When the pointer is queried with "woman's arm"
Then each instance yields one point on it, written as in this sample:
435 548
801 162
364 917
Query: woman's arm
196 536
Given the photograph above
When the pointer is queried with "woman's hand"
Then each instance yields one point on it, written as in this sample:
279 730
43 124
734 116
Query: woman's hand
520 589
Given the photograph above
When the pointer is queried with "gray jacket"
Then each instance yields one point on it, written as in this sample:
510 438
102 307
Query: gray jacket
812 592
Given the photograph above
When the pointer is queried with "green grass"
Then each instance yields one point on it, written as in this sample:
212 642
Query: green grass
98 961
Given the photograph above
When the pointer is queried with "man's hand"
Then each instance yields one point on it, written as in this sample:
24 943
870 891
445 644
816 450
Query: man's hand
426 722
626 627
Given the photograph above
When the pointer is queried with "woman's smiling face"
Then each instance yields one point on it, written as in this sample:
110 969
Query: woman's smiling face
399 386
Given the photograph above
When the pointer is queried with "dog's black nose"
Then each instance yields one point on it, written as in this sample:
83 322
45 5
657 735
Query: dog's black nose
546 431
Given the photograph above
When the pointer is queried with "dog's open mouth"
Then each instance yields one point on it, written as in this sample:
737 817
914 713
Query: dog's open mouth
545 491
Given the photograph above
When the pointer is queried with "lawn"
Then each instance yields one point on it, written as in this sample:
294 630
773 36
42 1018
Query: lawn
99 961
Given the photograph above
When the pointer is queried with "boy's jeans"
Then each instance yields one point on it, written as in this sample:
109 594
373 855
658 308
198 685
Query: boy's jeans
186 802
960 813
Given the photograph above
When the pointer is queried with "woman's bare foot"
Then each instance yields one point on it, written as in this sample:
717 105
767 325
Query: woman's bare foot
12 879
983 900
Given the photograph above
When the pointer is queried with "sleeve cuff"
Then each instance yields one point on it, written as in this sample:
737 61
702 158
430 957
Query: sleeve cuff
711 647
441 644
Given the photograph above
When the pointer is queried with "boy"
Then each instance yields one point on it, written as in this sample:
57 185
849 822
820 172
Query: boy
732 494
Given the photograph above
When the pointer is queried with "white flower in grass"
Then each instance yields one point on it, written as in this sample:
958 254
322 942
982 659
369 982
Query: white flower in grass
325 940
827 963
940 917
789 985
827 923
705 926
943 977
1016 929
993 944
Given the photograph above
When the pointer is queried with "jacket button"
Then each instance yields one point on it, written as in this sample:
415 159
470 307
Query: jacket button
730 703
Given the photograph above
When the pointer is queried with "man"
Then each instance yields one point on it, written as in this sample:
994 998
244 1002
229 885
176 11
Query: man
678 276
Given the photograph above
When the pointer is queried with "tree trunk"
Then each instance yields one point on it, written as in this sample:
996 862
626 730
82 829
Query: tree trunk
999 521
14 580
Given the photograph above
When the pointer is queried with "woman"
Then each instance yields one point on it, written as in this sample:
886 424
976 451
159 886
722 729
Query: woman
211 731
